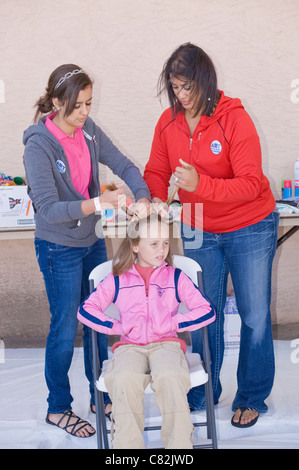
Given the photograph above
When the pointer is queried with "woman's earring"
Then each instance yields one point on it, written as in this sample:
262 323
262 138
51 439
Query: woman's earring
57 108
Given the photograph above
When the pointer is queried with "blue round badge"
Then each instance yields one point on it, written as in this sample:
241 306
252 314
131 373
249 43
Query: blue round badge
61 166
216 147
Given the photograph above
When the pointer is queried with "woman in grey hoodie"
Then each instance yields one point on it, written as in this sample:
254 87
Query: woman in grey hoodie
61 158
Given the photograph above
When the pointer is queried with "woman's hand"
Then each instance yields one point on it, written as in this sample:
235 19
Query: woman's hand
159 207
186 177
108 200
116 198
141 208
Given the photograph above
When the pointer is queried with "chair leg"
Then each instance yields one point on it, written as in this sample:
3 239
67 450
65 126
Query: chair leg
102 419
208 407
211 426
102 439
98 418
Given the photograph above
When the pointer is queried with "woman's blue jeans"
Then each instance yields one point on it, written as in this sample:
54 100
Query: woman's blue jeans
247 254
66 271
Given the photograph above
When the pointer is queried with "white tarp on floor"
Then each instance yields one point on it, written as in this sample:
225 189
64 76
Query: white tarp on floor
23 396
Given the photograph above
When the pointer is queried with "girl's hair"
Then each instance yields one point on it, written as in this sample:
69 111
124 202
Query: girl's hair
65 83
189 62
125 257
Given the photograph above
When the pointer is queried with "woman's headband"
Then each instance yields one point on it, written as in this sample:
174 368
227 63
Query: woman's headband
66 77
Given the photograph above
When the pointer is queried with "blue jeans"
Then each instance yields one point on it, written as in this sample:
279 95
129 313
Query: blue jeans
247 254
66 271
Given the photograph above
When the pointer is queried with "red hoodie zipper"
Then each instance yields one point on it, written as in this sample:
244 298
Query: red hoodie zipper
190 147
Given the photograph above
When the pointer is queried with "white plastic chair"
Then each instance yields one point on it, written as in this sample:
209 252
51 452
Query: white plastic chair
200 371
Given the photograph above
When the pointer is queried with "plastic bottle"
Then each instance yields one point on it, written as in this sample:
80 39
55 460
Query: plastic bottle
296 178
287 189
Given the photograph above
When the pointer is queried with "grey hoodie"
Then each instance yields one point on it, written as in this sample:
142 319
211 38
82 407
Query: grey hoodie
59 218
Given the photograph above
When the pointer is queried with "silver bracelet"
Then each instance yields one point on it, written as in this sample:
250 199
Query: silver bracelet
97 204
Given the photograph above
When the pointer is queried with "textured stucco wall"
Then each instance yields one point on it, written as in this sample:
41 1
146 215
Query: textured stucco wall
123 44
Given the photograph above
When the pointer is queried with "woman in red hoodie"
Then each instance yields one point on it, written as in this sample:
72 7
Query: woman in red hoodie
229 224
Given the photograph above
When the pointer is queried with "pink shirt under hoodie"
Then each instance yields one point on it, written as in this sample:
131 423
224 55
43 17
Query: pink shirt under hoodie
77 155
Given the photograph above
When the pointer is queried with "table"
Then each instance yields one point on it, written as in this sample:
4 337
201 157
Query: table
16 233
13 233
288 220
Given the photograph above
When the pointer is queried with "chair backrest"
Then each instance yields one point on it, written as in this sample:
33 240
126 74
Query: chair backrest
188 265
100 272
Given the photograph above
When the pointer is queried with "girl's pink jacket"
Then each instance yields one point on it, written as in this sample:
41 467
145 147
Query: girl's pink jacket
146 319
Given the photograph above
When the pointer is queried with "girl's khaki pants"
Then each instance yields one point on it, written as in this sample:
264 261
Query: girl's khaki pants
130 371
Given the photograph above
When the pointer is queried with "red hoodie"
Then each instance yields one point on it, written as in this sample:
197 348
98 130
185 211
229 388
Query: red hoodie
226 153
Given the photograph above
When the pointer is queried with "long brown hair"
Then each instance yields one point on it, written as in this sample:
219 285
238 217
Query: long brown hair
125 257
193 64
67 93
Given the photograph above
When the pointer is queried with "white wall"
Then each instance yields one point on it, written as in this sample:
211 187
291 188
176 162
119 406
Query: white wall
123 44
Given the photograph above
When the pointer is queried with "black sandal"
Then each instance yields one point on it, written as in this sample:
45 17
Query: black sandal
73 427
251 423
108 415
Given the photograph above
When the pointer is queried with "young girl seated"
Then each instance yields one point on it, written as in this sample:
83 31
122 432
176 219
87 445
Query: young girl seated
147 293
